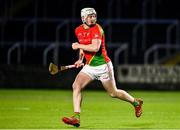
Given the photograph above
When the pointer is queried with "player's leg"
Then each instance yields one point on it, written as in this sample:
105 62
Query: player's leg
80 82
110 86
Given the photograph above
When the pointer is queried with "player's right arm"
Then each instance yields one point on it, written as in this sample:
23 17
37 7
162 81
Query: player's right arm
79 62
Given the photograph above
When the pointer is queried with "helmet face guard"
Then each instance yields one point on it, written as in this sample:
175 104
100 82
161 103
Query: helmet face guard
85 12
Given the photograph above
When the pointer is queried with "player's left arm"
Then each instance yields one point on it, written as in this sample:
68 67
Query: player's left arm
93 47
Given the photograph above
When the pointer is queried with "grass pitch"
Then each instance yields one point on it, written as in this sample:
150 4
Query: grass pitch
43 109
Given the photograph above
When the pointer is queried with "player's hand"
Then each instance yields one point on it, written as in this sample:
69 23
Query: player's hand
79 63
75 45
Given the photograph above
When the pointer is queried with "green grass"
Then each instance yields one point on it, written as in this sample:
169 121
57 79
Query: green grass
43 109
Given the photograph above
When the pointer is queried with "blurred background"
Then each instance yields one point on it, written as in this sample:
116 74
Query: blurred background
142 38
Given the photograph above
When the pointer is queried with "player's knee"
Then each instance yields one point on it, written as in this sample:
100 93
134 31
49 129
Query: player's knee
76 86
113 94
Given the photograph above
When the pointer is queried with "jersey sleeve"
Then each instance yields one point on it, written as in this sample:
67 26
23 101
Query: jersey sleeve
76 34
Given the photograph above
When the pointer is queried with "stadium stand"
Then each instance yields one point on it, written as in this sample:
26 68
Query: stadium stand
31 31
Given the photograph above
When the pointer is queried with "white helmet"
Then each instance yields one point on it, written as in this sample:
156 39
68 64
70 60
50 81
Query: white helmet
85 12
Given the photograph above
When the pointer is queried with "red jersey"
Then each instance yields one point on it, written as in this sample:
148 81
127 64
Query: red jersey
85 37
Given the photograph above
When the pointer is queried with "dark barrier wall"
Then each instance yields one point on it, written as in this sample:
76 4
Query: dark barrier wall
37 77
33 77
